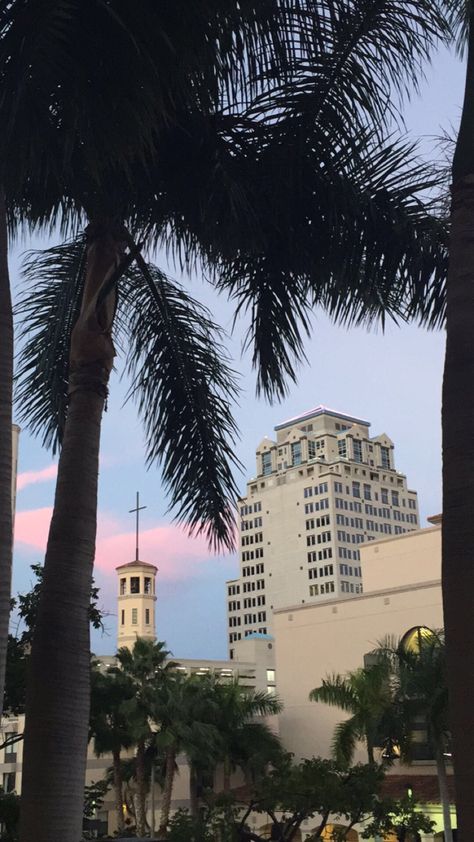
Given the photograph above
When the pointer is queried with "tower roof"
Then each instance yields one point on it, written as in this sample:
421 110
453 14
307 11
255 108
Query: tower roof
320 410
136 563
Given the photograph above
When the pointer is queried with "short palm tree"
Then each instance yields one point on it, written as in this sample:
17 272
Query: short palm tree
146 667
109 727
366 695
244 737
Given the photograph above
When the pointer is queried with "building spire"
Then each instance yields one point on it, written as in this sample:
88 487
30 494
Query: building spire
137 511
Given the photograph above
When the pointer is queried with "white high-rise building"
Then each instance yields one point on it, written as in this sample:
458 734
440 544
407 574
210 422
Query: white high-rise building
322 488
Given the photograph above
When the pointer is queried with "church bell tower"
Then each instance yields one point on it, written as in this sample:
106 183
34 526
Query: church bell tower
136 596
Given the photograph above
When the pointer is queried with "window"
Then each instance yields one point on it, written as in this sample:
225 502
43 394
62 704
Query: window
313 573
147 584
296 453
266 464
134 616
257 507
313 590
356 489
122 623
123 587
308 508
270 676
311 450
338 487
385 457
308 492
342 448
147 616
412 504
135 584
395 498
367 492
384 493
9 781
357 450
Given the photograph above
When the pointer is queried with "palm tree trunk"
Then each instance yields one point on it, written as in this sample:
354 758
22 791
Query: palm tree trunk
458 458
443 792
370 751
170 764
6 380
57 709
141 785
226 774
118 790
193 792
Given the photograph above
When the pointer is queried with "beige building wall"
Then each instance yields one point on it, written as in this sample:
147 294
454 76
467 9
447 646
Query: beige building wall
403 590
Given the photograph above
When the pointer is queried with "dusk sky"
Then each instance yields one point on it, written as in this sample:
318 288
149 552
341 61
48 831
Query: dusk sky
391 379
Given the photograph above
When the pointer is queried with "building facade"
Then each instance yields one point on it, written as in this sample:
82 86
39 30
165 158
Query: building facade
323 488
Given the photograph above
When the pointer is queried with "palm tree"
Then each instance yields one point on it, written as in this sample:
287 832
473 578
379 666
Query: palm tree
109 727
420 690
147 667
457 418
90 163
210 174
244 739
6 380
365 694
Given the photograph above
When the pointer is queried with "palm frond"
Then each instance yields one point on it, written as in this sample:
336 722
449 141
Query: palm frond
184 389
337 692
47 310
345 738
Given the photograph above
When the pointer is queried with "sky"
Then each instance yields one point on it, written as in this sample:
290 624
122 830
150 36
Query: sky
392 379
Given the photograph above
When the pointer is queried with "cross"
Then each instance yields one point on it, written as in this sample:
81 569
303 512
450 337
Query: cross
137 510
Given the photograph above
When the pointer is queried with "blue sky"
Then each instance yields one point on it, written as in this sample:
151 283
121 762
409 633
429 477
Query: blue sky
392 379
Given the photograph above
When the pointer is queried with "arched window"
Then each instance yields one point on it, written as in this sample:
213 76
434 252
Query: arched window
413 640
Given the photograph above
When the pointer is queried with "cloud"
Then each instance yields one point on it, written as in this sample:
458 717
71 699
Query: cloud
32 477
167 546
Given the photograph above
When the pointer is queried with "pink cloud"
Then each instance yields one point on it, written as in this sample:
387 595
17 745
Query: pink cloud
168 547
32 477
31 527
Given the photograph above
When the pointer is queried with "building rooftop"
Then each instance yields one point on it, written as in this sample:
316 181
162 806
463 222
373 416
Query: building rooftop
321 410
136 563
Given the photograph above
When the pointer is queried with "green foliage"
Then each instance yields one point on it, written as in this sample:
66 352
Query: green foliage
9 815
94 795
401 817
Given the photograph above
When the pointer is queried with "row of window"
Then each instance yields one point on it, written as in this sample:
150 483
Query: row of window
322 538
322 488
327 587
252 539
348 505
252 601
348 538
233 636
251 524
349 587
234 621
260 617
317 506
254 569
248 587
343 552
347 570
316 522
327 570
320 555
135 617
233 590
384 528
250 555
234 605
135 585
248 510
354 522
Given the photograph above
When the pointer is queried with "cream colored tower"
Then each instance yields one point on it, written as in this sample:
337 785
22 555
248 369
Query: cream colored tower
136 602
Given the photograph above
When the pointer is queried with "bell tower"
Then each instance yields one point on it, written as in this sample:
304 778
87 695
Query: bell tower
136 595
136 602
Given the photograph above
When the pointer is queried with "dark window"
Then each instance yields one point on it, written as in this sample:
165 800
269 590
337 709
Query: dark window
135 584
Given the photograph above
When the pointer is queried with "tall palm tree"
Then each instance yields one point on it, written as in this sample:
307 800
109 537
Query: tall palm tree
87 159
457 419
216 162
366 695
6 379
109 727
420 690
